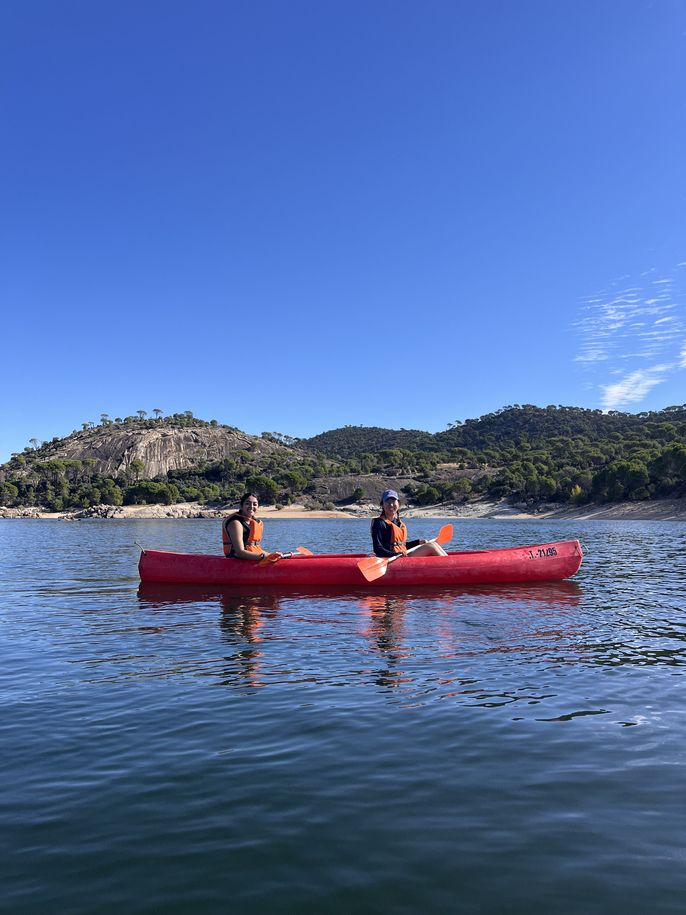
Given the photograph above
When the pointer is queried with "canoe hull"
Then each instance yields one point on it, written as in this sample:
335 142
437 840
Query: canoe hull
538 562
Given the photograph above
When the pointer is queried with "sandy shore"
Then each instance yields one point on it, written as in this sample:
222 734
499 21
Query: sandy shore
662 510
659 510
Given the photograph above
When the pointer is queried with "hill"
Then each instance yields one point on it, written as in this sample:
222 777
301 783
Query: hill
352 441
524 453
160 446
166 460
510 425
528 453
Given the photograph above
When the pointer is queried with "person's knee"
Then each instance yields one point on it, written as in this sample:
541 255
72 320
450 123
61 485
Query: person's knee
433 548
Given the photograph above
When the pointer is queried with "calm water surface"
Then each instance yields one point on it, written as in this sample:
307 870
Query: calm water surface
510 750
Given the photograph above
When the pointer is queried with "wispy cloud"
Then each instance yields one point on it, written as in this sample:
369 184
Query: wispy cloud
632 336
633 388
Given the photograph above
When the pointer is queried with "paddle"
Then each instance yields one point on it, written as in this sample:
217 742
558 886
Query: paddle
373 567
274 557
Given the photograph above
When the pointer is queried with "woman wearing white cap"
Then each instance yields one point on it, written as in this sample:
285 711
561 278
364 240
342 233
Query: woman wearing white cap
389 533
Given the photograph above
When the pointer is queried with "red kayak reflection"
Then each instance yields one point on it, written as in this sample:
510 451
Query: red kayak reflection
381 636
553 594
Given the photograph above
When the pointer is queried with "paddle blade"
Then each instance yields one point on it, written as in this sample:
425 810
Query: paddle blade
445 534
270 557
373 567
304 551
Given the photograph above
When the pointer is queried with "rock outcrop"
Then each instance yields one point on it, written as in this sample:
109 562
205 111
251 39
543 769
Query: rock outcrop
368 486
161 450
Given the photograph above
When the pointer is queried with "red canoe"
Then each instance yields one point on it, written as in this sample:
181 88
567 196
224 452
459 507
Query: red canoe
540 562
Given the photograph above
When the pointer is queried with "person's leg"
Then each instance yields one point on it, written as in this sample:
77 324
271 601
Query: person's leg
429 549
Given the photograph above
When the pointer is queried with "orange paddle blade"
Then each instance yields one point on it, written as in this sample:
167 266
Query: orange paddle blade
373 567
445 534
304 551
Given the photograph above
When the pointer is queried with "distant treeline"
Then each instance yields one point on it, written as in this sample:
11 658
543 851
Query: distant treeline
143 421
524 453
558 454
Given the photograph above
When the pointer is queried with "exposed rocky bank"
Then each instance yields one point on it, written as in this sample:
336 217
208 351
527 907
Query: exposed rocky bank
660 510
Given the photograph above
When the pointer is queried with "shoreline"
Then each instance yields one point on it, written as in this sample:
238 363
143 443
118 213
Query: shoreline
658 510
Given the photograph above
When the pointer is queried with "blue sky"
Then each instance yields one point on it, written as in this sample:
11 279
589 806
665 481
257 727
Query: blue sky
289 216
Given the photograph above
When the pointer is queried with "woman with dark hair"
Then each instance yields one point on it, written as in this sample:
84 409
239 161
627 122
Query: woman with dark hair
389 533
242 532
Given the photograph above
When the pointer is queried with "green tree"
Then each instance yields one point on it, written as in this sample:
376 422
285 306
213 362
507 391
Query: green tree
547 487
293 480
73 469
110 493
89 465
137 468
8 493
265 488
463 489
668 470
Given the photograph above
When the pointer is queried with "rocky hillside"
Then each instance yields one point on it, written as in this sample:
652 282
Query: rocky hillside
159 447
161 450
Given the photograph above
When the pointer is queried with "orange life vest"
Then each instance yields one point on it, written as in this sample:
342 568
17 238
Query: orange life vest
252 534
398 535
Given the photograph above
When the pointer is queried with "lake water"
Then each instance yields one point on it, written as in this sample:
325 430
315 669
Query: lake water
510 749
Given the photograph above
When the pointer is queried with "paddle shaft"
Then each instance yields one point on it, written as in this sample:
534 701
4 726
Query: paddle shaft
374 567
412 549
293 554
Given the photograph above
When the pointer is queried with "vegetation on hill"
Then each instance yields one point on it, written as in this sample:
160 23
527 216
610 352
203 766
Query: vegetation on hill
524 453
528 453
143 421
351 441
